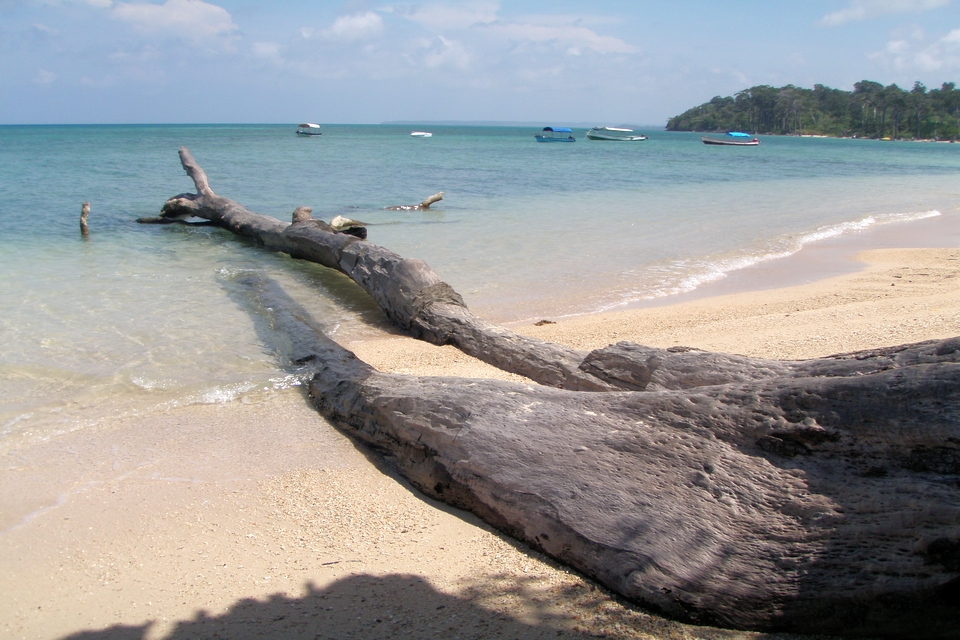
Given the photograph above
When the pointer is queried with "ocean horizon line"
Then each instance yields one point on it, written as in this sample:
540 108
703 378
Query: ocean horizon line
455 123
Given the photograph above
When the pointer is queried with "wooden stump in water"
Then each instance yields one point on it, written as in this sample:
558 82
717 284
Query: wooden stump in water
84 212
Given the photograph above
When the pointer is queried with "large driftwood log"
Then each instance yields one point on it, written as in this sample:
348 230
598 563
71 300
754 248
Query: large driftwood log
802 502
815 496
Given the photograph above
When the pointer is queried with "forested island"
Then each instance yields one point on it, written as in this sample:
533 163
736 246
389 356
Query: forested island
869 111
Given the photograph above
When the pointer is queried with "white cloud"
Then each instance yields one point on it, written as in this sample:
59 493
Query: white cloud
443 52
868 9
916 55
192 20
100 4
44 29
359 26
445 17
267 51
568 36
44 77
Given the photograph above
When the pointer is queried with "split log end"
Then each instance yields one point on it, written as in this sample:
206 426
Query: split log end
302 214
350 227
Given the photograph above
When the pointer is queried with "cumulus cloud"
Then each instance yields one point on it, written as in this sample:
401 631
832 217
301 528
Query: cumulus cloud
868 9
267 51
443 52
573 37
359 26
915 54
100 4
446 17
192 20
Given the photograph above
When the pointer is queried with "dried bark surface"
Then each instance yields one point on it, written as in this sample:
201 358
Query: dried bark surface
818 496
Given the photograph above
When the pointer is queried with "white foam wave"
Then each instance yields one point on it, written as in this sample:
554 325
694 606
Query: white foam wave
683 276
243 391
10 424
151 385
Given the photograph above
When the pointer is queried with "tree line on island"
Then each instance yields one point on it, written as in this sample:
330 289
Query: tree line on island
869 111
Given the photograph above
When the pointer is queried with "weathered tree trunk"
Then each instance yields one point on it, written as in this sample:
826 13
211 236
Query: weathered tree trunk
820 496
817 504
408 291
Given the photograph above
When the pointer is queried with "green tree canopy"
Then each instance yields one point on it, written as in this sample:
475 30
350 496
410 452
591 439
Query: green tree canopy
869 111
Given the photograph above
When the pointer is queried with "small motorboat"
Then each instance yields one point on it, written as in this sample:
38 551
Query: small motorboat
615 134
308 129
555 134
733 139
421 134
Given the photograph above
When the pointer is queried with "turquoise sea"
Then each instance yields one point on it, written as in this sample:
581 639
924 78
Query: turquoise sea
136 318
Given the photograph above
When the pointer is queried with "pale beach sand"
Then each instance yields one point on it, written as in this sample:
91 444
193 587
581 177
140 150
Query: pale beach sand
261 520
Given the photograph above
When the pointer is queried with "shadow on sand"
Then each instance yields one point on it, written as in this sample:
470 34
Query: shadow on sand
405 606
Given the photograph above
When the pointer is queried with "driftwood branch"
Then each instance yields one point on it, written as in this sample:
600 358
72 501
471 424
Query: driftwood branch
818 496
423 205
407 290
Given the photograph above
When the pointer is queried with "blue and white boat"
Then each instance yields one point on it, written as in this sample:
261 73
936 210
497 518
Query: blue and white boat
555 134
733 139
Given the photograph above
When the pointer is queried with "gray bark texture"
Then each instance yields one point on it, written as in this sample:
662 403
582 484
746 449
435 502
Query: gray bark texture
818 496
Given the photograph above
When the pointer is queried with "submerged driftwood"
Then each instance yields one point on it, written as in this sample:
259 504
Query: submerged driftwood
437 197
815 496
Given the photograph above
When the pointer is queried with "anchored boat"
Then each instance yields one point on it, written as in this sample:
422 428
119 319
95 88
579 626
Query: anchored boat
555 134
733 139
308 129
614 133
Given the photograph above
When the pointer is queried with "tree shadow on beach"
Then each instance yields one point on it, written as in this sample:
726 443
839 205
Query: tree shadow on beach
406 606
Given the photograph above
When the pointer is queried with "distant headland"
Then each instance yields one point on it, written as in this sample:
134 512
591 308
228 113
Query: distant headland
869 111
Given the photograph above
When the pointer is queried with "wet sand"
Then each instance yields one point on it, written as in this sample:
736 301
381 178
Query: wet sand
261 520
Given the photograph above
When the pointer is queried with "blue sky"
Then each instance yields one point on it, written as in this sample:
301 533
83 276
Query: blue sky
611 62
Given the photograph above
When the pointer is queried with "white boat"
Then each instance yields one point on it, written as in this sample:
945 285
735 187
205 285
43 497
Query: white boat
308 129
614 133
421 134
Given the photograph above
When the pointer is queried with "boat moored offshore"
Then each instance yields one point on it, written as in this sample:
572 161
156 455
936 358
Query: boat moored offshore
555 134
616 134
308 129
733 139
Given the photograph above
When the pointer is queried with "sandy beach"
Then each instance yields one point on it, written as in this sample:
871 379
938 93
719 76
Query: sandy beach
261 520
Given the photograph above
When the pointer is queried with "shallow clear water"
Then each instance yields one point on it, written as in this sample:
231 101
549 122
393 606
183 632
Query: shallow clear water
138 317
